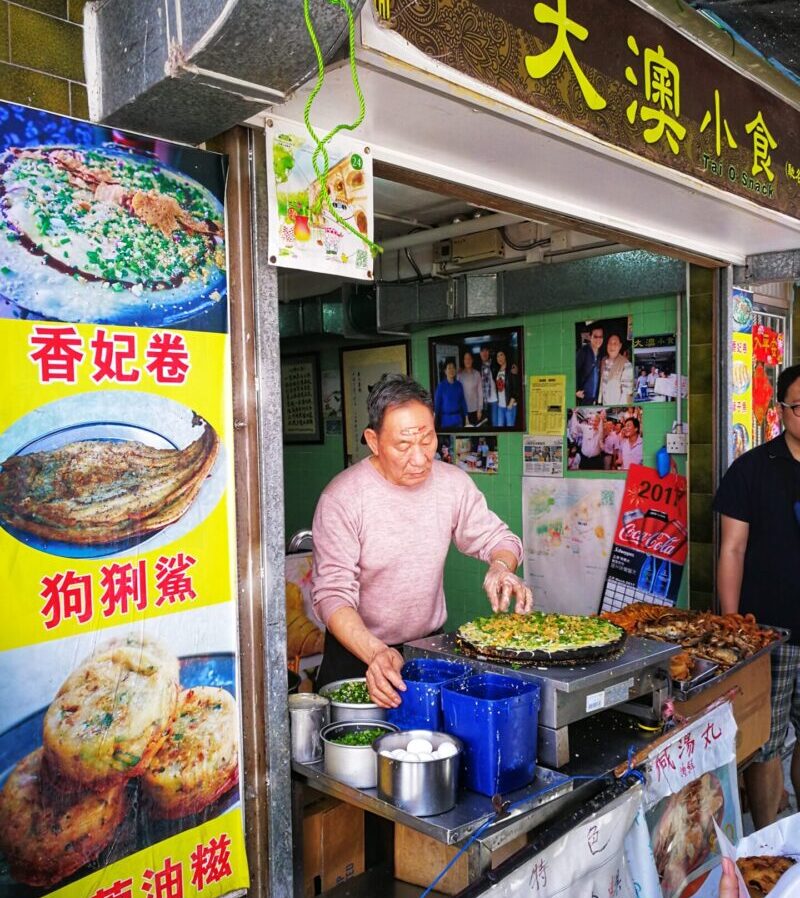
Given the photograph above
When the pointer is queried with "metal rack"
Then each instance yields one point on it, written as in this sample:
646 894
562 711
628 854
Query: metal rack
572 694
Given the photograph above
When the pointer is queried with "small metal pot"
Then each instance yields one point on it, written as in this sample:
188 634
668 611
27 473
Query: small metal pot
422 788
346 711
354 765
308 714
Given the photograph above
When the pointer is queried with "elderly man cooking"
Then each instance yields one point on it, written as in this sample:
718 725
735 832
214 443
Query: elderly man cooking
382 530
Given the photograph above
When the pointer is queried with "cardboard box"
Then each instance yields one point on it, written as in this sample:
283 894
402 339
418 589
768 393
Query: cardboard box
333 845
419 859
751 707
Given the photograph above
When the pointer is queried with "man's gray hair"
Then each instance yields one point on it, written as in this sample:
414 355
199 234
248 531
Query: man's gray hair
389 392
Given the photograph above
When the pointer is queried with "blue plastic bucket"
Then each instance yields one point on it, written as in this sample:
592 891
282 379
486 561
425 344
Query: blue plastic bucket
422 701
497 719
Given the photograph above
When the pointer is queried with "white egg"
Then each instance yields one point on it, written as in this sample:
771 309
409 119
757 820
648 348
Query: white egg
399 754
411 756
386 754
419 746
425 756
446 750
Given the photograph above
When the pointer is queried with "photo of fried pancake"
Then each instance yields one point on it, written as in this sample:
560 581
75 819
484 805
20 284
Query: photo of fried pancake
199 759
136 748
44 842
97 492
101 234
761 874
682 837
109 718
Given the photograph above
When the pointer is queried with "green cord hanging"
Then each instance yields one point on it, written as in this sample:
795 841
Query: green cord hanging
320 148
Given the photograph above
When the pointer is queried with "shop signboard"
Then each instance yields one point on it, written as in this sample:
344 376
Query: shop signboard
650 542
615 70
119 728
314 226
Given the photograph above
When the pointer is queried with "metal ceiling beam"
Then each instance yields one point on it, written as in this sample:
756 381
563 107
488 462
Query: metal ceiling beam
768 268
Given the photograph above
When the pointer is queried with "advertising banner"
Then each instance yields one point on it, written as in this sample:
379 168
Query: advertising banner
304 231
119 724
690 789
650 543
568 529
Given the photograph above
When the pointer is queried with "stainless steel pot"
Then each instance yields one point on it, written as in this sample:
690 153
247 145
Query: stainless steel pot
422 788
352 764
308 714
346 711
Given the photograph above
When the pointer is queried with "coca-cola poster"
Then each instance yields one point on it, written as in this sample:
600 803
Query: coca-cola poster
649 548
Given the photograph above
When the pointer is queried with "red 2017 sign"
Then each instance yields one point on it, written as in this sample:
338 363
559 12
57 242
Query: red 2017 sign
653 514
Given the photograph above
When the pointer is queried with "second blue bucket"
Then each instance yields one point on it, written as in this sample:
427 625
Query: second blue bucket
422 701
497 719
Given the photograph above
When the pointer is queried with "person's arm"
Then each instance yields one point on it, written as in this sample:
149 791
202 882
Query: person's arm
383 663
730 567
462 401
335 595
481 534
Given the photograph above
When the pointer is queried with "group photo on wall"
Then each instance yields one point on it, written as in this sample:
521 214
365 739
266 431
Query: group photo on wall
477 380
604 373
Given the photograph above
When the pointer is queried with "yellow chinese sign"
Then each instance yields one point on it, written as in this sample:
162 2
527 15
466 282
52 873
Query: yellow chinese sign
616 71
742 393
119 722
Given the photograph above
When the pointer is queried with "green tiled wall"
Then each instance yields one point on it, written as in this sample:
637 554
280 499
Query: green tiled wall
549 349
701 419
41 55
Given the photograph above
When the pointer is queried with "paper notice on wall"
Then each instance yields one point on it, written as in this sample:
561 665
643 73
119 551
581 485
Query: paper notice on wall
542 456
568 529
547 404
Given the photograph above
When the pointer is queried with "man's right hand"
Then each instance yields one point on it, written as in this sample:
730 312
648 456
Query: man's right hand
580 394
383 678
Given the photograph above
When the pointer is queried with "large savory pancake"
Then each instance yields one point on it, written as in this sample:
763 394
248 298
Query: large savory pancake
45 841
94 492
540 637
199 760
109 718
101 235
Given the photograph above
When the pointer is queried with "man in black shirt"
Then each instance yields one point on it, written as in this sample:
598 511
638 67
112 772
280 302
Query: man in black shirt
759 505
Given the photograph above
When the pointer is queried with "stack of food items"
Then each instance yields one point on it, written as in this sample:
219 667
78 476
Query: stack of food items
724 639
761 873
119 716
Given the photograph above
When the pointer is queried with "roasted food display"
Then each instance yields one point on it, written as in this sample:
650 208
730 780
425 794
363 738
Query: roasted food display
103 235
725 639
682 837
119 716
94 492
540 637
761 874
303 637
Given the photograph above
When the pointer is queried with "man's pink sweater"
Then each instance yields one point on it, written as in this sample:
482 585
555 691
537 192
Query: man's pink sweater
381 548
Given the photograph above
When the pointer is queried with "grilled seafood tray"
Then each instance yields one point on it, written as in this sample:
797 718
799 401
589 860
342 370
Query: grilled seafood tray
702 672
687 690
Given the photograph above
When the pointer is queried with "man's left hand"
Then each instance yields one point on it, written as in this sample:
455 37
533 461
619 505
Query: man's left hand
501 584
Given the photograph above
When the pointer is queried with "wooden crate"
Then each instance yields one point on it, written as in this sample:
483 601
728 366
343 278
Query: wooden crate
751 707
419 859
333 844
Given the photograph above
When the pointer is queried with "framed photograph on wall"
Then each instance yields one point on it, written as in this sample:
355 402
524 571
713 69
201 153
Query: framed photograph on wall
361 368
478 380
301 398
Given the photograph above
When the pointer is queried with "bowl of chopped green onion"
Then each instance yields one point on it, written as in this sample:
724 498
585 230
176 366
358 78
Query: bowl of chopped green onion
349 757
350 701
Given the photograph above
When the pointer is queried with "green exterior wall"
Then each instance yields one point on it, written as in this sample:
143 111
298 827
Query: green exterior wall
549 349
701 436
41 55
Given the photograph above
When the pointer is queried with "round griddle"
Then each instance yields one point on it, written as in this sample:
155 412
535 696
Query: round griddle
565 657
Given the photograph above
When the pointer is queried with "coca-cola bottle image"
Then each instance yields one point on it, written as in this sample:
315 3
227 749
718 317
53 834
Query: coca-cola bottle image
662 579
647 574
